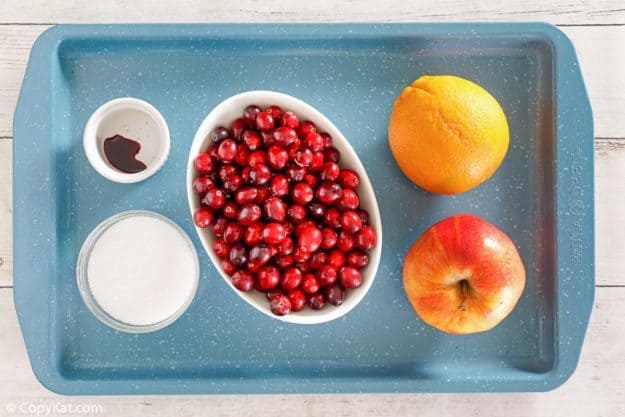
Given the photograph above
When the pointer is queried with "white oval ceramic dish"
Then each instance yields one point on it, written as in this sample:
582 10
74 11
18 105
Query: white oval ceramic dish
134 119
224 114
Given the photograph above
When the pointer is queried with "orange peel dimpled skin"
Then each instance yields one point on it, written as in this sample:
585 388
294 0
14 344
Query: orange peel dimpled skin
447 134
463 275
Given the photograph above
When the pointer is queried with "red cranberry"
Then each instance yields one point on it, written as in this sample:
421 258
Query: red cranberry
277 156
314 141
335 294
317 162
246 195
357 259
226 171
212 151
286 247
304 267
302 193
204 163
268 277
349 200
330 171
301 255
260 254
203 217
263 195
253 233
326 275
220 226
364 215
275 209
237 127
228 266
306 127
349 178
284 261
250 113
317 210
311 180
264 121
284 136
230 210
328 238
252 139
274 292
350 220
221 248
366 238
310 285
329 193
243 155
253 266
227 150
218 134
336 259
289 119
233 233
249 213
256 158
232 183
291 278
310 239
305 224
332 154
280 305
350 277
238 255
333 218
243 280
275 111
202 184
345 242
316 301
296 213
303 157
260 174
318 260
297 299
214 199
273 233
327 140
295 172
279 186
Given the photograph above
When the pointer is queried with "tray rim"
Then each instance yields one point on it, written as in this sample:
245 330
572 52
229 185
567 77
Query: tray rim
571 96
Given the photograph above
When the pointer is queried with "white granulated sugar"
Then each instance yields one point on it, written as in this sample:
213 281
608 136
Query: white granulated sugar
141 270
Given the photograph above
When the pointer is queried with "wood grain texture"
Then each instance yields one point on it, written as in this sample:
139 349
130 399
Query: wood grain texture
80 11
6 209
595 389
600 58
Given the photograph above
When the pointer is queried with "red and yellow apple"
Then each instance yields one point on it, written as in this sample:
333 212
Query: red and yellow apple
463 275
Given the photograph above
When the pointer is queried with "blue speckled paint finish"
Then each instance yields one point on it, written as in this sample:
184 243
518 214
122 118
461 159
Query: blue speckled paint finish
542 196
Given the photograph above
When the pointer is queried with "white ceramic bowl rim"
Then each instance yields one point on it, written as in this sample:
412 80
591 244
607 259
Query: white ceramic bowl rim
232 108
94 155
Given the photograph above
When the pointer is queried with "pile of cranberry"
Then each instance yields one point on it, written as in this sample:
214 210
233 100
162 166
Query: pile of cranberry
286 217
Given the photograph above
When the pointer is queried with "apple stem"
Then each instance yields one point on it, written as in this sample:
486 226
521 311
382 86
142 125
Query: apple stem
464 288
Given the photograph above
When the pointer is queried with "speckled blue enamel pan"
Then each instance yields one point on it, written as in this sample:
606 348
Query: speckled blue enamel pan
541 196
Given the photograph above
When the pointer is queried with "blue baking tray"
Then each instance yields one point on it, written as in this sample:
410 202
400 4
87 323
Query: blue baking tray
542 196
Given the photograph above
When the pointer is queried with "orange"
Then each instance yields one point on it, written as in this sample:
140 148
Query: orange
447 133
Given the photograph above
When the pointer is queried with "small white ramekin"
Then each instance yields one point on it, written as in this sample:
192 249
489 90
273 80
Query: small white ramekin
134 119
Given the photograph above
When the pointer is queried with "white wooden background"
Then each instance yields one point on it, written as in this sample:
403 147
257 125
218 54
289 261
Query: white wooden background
597 28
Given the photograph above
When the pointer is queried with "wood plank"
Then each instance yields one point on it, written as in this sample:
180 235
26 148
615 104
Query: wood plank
609 169
595 389
6 210
600 57
116 11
